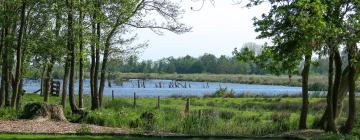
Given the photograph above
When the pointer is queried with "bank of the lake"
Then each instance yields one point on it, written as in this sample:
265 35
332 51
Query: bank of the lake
247 116
316 81
166 88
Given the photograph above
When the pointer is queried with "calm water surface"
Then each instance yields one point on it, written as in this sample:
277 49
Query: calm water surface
193 88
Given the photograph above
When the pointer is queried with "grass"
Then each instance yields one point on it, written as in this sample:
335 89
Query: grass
254 116
72 137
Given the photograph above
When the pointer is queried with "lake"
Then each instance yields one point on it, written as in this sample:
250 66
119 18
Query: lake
152 88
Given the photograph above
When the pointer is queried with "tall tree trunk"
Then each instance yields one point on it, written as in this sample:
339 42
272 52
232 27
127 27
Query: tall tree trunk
347 128
337 81
71 47
5 70
343 90
330 118
97 59
81 58
18 56
305 88
42 81
47 81
103 67
2 88
93 61
105 60
65 83
18 100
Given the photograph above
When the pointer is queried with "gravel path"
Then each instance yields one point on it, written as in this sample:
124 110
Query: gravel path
51 127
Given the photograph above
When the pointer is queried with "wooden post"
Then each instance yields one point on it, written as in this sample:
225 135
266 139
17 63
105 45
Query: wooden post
112 94
138 83
134 100
143 83
187 105
158 102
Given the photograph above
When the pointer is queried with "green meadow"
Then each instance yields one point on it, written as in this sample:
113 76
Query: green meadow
244 117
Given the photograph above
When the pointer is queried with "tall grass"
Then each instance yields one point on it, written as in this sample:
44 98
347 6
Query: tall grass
208 116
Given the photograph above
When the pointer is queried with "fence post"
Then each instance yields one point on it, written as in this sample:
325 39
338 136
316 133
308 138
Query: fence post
187 105
112 94
134 100
158 102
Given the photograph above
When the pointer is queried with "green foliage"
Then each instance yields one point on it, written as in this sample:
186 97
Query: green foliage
207 63
32 109
9 114
222 92
83 130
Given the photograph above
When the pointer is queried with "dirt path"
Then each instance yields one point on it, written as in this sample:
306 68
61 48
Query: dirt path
51 127
43 127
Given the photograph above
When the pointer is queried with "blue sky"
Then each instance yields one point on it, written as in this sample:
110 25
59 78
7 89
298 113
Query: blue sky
216 29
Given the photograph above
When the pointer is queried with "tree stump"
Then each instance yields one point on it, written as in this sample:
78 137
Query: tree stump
43 112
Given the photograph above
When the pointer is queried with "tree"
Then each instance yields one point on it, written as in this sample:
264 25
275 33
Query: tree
294 27
130 13
71 54
81 53
18 73
351 39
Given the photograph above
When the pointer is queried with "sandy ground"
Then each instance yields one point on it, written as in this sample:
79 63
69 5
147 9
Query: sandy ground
51 127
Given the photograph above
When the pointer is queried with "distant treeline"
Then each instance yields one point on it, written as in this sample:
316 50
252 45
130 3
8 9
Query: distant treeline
207 63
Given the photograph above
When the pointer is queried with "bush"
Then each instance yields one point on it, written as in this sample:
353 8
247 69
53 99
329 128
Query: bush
222 92
8 114
83 130
148 121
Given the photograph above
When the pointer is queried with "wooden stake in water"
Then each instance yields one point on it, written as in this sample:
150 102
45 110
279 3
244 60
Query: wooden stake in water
143 83
158 102
187 105
112 95
138 82
134 100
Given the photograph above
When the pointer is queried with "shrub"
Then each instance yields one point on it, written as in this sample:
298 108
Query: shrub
9 113
148 121
83 130
222 92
